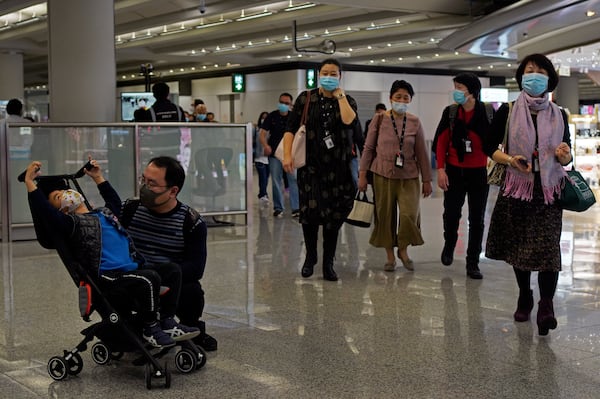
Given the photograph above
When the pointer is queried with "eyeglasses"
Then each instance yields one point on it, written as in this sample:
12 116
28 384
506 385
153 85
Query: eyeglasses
150 183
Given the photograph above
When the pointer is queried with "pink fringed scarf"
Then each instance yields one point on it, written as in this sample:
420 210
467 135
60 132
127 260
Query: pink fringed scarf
521 141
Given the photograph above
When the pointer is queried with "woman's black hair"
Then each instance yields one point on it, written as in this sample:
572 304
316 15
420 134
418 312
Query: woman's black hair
402 84
259 122
542 62
330 61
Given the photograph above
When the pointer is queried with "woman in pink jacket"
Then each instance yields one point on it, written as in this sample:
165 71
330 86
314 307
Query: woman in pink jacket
396 154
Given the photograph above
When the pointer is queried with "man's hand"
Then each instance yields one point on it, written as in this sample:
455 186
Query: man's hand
442 179
33 171
95 173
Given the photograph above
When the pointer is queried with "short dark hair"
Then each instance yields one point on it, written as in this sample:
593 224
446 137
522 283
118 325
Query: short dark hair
543 62
198 102
402 84
174 173
331 61
471 81
14 107
287 95
210 113
160 90
380 106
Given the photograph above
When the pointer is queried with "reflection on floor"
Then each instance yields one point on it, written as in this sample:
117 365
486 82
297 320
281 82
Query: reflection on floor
431 333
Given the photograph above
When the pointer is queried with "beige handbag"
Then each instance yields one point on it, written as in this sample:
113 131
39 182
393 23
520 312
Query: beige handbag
299 143
362 211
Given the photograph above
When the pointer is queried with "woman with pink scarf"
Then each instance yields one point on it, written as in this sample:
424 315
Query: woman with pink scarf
527 221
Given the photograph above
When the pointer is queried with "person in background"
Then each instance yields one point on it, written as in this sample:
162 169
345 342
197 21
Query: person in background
14 111
462 168
271 133
200 113
210 117
261 161
325 183
395 152
379 108
526 223
164 229
163 110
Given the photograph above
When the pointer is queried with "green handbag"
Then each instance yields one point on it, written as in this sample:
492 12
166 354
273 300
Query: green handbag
576 195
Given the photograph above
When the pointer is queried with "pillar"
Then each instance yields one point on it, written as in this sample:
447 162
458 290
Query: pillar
11 75
567 93
81 65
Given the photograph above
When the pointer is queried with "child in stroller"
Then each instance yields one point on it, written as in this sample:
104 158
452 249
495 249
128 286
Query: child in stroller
103 250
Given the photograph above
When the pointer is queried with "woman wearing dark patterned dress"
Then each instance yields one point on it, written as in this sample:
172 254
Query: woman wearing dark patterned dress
325 184
526 223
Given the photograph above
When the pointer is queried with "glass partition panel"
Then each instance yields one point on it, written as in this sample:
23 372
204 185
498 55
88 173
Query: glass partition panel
214 157
64 150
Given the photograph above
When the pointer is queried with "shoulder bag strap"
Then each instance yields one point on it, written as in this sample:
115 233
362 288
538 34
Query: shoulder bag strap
305 110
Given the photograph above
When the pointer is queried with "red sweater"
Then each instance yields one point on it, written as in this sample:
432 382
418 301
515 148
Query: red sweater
446 153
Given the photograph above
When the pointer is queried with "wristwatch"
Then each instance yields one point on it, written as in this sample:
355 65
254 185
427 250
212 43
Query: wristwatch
340 96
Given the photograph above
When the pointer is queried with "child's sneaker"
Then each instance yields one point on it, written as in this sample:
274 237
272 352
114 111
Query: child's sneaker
177 331
156 337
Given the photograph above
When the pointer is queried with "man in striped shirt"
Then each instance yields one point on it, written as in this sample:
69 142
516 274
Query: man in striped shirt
164 229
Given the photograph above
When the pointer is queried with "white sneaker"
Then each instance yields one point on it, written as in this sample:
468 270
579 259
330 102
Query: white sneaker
264 200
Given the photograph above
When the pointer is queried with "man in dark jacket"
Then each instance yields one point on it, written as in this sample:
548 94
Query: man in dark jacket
103 248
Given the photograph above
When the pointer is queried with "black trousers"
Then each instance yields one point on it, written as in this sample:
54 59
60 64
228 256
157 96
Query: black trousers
191 304
472 184
142 288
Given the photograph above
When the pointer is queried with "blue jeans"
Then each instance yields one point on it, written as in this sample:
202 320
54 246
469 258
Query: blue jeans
262 170
276 169
354 171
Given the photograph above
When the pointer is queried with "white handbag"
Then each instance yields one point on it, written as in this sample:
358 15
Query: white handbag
362 211
299 143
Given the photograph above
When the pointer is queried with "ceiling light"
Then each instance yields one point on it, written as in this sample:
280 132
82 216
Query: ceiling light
301 6
590 13
243 17
222 22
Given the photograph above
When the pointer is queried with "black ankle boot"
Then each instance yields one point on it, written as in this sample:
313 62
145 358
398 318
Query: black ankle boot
328 273
473 271
545 316
308 267
524 307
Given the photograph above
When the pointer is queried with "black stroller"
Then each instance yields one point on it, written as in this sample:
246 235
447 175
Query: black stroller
119 331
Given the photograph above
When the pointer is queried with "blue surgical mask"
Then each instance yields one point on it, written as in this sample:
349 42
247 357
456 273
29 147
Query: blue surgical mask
535 84
459 97
400 108
201 117
283 108
329 83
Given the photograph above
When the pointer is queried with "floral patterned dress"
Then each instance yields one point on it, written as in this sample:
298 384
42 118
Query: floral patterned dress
325 185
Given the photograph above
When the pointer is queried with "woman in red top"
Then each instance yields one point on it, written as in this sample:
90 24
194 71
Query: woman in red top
461 168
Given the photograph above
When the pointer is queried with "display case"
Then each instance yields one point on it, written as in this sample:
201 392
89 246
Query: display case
586 148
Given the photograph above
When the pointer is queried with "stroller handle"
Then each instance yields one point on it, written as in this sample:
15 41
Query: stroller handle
77 175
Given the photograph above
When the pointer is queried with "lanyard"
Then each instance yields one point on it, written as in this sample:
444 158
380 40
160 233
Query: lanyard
400 137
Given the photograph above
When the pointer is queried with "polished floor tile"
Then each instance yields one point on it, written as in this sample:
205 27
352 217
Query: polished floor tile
431 333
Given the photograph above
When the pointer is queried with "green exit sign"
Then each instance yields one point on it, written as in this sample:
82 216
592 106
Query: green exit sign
238 83
311 78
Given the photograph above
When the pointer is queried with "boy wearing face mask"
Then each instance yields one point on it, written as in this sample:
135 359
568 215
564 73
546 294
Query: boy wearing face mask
103 248
462 168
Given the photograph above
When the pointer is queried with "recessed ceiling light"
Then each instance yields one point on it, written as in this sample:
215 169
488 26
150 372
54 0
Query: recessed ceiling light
170 71
410 42
369 47
590 13
400 58
456 53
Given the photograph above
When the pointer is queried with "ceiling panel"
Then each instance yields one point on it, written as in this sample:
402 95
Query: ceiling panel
436 34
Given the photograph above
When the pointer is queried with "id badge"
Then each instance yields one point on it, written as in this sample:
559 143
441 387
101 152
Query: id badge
399 160
328 142
468 146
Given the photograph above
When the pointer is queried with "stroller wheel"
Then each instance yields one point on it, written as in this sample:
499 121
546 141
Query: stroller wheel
148 376
75 363
200 357
57 368
185 361
100 353
150 373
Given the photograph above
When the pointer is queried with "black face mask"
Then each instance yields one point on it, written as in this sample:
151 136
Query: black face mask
148 197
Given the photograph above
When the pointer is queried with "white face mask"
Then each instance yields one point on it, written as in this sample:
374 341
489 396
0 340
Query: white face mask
399 107
70 200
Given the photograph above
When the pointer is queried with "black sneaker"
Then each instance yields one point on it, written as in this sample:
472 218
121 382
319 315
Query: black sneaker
278 214
206 342
296 213
178 331
155 336
447 256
